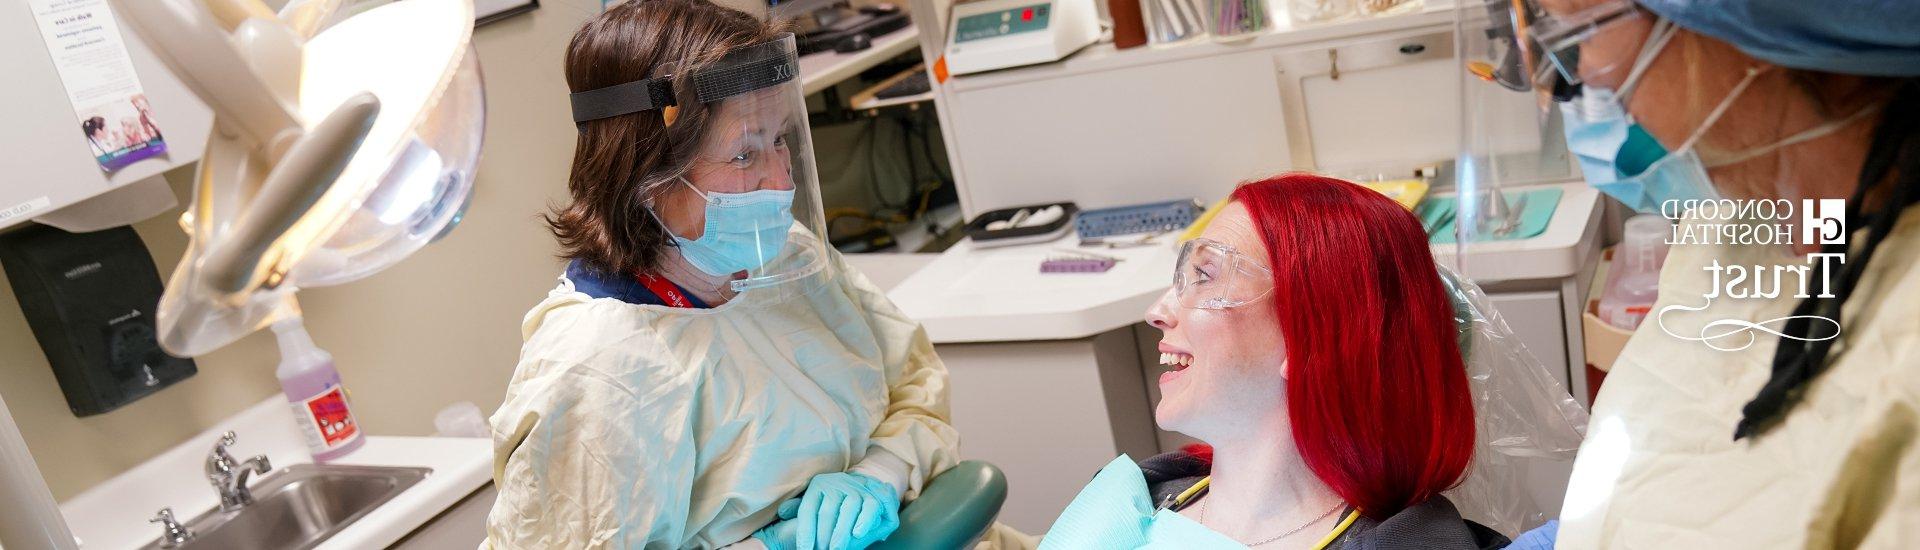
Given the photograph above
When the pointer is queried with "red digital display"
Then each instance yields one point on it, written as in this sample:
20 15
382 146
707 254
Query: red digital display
1026 15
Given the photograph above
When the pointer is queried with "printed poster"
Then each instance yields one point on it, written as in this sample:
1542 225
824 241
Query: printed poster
112 112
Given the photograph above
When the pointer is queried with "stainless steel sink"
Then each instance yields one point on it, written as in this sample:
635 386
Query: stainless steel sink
301 506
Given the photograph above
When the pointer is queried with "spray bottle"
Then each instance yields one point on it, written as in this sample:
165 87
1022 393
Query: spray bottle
312 387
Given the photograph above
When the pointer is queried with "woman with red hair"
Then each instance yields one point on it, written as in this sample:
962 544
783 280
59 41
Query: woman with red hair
1313 348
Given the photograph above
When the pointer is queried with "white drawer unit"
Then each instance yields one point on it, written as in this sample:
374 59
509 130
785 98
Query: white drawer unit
1536 320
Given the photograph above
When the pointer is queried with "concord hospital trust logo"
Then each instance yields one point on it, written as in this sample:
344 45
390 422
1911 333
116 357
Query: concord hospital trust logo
1759 223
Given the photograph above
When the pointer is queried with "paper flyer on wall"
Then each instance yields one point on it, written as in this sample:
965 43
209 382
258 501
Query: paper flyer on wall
113 115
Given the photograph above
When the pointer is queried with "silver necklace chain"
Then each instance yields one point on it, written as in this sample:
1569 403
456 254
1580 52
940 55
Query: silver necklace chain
1289 533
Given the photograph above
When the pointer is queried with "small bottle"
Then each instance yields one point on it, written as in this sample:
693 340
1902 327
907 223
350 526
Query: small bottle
312 387
1633 280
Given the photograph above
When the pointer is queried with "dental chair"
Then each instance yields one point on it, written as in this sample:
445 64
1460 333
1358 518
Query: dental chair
954 510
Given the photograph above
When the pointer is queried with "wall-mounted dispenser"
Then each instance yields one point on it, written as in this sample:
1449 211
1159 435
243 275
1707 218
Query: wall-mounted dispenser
90 299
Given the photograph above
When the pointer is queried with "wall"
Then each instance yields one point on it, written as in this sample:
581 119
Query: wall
439 328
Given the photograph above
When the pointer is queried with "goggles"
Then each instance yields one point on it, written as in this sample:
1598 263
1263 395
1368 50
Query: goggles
1538 44
1212 275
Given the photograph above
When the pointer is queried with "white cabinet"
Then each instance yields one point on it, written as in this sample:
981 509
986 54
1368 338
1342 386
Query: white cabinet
461 527
1106 127
1377 102
1134 134
1536 320
1049 414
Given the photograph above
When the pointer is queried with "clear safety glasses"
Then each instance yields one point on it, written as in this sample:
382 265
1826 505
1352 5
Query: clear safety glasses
1212 275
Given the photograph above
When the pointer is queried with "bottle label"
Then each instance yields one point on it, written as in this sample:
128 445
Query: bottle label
325 420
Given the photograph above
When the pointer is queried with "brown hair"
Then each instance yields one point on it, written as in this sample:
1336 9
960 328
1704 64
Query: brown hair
621 162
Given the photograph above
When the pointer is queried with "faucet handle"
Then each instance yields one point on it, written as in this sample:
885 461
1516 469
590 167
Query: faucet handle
220 464
175 533
219 451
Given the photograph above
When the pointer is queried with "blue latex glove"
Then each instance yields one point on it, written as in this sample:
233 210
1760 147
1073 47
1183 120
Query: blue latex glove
1540 538
846 511
781 535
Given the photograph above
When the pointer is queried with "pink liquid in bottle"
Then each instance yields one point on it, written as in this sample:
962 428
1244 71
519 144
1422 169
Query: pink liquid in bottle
313 390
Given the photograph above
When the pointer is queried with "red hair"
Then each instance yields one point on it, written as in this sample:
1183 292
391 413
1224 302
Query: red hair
1376 388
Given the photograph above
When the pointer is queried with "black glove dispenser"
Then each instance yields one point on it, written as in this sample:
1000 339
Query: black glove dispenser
90 300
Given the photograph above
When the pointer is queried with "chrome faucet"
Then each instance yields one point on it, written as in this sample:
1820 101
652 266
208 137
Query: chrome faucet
176 534
229 478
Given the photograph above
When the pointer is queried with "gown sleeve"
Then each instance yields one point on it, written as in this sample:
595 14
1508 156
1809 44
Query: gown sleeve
582 459
916 439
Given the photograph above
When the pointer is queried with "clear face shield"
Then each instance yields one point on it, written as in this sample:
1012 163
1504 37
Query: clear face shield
747 205
1508 130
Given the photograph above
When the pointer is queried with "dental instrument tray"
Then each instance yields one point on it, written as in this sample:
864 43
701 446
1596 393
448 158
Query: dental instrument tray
1022 225
1159 217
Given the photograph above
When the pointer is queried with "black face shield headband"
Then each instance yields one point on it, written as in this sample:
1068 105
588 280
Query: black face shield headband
742 70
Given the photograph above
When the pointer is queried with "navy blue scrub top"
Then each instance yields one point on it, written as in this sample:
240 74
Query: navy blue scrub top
626 289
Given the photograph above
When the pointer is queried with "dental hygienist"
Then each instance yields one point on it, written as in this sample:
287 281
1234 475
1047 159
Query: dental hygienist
708 372
1756 418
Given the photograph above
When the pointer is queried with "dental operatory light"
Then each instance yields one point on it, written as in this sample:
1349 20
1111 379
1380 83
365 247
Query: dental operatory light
342 144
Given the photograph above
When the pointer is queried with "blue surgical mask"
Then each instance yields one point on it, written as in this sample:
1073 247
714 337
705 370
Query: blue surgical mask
1619 158
744 230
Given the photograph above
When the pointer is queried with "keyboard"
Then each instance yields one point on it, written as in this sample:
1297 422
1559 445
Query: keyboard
912 85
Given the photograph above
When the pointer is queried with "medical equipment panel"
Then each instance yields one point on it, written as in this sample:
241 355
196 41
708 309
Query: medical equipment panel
995 34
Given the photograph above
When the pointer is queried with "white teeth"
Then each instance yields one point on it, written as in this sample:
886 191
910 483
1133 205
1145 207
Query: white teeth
1176 360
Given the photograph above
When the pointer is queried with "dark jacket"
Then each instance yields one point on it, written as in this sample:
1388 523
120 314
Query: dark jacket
1431 525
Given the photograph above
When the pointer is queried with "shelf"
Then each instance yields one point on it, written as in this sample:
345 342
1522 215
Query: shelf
869 98
877 103
1103 57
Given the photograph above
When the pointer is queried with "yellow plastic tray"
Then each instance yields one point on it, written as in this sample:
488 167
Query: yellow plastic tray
1406 192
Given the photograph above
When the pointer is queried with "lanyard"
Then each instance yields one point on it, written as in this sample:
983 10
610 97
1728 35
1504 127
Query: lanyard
668 293
1206 482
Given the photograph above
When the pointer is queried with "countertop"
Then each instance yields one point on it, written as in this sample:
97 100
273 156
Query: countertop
1559 251
114 514
972 294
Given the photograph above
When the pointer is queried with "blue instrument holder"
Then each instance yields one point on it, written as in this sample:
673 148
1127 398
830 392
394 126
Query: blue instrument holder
1156 217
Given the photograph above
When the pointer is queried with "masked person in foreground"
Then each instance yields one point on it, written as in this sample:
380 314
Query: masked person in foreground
708 372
